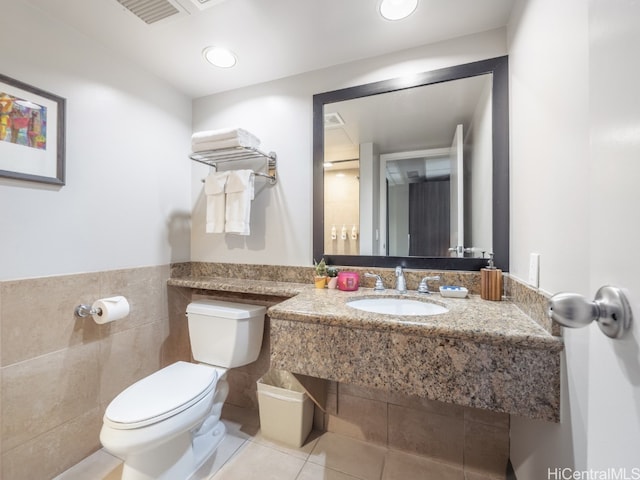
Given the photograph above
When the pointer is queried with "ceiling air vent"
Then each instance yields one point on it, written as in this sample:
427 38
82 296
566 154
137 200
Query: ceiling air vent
333 120
150 11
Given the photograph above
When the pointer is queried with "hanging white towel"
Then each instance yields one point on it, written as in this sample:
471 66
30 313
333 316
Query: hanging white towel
214 186
239 190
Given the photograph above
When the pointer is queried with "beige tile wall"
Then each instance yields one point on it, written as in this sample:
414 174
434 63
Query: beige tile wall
58 372
342 207
475 439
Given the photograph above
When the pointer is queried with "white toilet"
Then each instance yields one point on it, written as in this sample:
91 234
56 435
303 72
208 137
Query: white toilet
167 425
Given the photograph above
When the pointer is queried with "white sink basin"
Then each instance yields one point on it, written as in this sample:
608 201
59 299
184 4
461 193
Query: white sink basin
397 306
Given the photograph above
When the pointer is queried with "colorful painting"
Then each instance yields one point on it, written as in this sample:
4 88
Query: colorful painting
32 133
22 122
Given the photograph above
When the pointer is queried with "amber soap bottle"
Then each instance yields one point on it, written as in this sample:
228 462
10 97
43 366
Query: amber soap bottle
491 282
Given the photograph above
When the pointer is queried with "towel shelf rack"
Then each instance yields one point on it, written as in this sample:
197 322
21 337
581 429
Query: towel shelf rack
225 155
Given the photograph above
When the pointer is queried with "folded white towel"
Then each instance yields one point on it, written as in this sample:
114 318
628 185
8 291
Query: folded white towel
214 186
238 134
219 134
220 144
239 193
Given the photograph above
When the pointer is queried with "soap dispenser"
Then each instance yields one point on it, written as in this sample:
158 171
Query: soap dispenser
491 281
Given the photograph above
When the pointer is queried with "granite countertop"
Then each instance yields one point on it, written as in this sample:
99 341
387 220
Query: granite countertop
470 318
241 285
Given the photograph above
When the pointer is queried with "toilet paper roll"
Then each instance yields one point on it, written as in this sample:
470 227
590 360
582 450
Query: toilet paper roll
110 309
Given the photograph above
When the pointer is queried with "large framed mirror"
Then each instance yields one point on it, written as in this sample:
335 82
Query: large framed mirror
414 171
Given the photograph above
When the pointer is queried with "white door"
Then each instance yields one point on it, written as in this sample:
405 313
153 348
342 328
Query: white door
614 102
457 192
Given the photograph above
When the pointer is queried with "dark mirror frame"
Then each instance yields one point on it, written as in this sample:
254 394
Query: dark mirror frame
499 67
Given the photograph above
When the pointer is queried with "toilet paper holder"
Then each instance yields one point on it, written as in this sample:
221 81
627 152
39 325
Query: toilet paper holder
87 310
105 310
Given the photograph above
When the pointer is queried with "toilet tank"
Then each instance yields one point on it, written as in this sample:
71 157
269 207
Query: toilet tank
225 334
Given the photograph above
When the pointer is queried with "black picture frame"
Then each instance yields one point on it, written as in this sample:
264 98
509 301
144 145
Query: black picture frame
32 133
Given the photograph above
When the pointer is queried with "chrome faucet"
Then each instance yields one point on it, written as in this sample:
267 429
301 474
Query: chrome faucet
424 287
401 284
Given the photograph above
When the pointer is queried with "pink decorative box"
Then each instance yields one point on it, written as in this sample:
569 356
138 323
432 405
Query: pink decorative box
348 281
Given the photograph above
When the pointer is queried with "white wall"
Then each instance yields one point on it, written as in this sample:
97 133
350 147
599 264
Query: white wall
549 142
574 150
280 113
479 206
549 199
126 200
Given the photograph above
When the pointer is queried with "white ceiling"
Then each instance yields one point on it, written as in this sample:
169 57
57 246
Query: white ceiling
271 38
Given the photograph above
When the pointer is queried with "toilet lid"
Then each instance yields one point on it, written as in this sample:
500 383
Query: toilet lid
161 395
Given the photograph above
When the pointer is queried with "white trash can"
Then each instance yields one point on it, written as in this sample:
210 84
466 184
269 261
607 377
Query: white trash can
286 411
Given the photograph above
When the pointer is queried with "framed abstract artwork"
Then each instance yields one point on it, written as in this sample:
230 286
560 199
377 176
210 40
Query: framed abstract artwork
32 133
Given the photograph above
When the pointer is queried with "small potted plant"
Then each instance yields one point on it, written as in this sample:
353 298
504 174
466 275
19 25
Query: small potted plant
320 279
332 274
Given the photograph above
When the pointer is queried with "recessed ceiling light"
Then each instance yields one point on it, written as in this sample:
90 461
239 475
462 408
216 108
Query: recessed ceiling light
220 57
397 9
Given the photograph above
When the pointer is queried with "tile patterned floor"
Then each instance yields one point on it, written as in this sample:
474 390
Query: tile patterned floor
245 454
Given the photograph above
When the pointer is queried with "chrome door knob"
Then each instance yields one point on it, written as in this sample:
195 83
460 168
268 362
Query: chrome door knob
610 309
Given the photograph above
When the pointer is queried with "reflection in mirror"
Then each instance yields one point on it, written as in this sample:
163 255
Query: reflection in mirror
421 153
342 207
416 174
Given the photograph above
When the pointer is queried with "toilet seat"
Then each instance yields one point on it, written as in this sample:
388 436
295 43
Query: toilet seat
161 395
